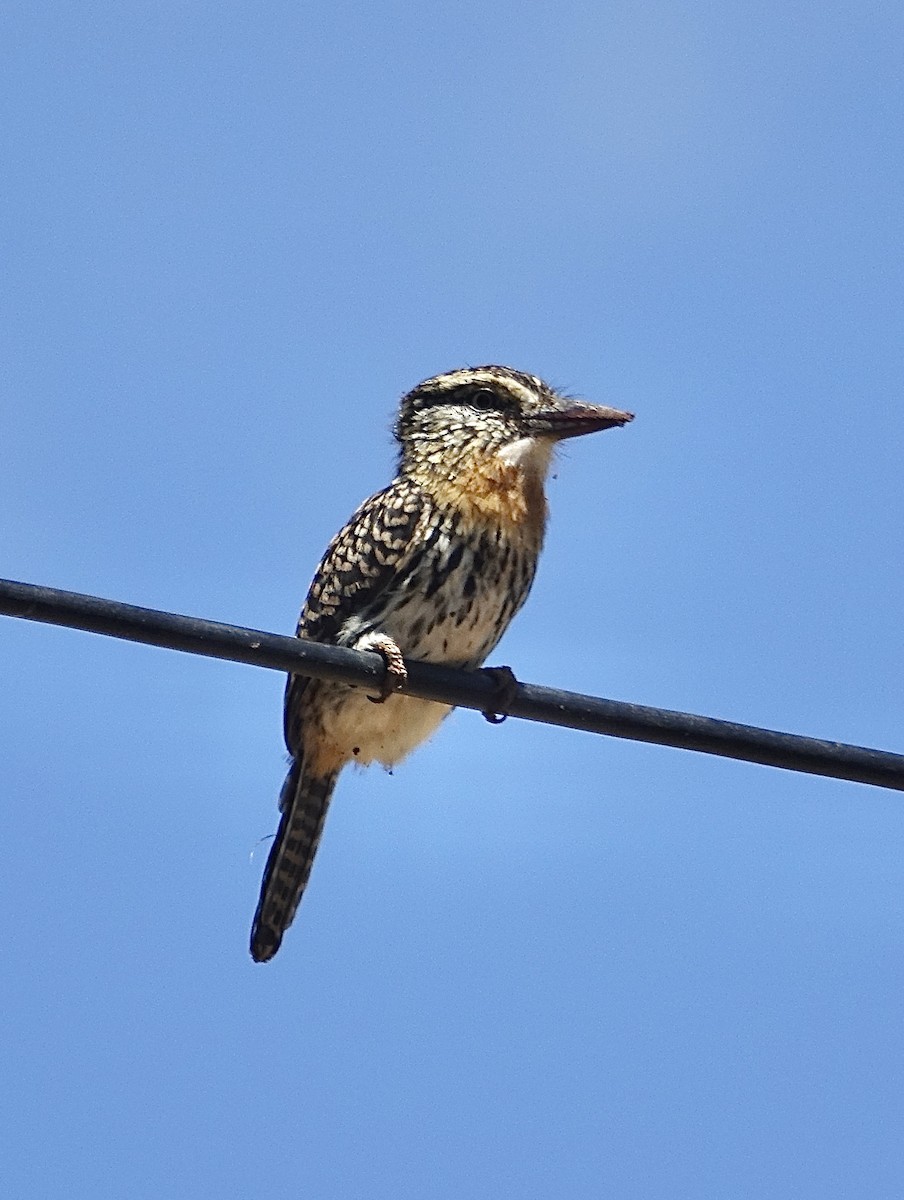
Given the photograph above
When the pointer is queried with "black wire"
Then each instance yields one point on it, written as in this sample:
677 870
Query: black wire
466 689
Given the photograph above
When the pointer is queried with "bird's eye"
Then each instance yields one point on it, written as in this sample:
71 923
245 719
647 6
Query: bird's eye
484 398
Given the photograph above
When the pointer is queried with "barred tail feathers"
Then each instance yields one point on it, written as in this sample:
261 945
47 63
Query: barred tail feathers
304 801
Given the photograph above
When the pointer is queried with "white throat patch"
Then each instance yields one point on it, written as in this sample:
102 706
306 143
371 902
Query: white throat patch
533 455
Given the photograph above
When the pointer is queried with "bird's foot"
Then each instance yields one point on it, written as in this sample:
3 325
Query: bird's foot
506 689
396 672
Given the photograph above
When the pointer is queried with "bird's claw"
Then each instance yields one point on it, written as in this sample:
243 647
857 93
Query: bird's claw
396 672
506 689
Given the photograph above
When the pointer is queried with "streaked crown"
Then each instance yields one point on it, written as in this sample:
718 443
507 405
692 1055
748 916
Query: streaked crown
485 403
485 409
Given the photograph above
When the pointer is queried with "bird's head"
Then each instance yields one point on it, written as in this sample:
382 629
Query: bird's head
492 414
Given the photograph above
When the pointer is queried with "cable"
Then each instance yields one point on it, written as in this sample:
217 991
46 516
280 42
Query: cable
465 689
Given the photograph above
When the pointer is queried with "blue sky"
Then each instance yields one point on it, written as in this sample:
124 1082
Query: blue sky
532 962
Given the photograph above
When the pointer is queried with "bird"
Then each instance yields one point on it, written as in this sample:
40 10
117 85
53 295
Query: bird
433 567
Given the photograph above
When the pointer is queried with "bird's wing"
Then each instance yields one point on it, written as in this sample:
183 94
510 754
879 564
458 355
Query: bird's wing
376 549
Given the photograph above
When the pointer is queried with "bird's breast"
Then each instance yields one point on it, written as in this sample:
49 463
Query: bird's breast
451 605
456 598
494 491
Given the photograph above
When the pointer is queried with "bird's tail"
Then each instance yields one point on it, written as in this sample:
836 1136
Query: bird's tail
304 800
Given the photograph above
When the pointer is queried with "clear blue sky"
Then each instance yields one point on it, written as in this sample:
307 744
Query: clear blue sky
532 963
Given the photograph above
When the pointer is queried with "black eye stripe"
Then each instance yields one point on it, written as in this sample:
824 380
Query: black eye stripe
480 396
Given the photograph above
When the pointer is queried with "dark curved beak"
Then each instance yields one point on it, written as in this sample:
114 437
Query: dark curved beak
574 419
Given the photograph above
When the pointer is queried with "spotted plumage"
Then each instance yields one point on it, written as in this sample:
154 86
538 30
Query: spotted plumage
434 567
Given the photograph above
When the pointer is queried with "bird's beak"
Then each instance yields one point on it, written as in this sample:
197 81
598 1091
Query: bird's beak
574 419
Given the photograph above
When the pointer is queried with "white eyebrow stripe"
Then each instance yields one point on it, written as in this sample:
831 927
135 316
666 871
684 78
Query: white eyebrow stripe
457 379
